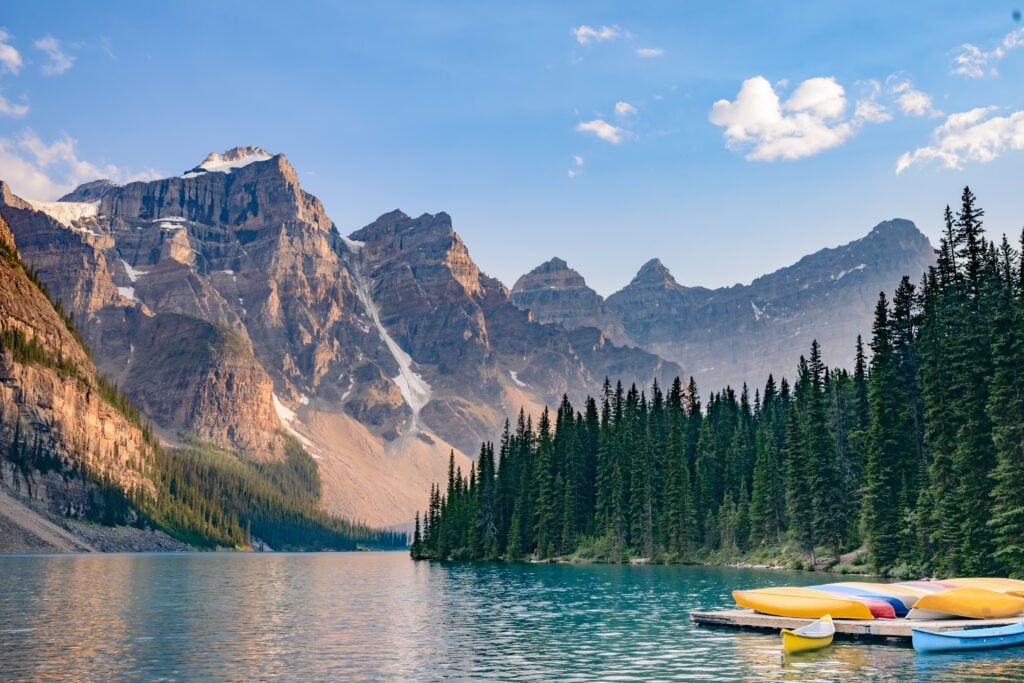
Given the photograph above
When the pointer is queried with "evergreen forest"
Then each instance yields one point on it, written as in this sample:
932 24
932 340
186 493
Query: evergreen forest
916 457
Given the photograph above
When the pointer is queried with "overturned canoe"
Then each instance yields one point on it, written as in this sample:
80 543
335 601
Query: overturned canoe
973 603
968 639
899 607
804 603
1000 585
813 636
908 594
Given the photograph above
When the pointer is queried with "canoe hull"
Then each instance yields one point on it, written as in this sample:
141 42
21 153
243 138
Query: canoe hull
971 639
803 603
973 603
813 636
793 642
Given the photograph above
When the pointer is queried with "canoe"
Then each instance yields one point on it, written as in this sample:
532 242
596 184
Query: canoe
1011 586
813 636
968 639
908 594
803 603
924 586
899 608
974 603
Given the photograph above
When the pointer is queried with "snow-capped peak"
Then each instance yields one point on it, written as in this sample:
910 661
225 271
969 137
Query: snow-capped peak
229 160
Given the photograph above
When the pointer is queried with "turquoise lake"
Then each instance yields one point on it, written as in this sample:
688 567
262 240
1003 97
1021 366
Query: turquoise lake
382 617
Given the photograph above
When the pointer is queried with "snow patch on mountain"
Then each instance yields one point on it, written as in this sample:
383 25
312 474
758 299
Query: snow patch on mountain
843 273
229 161
66 213
414 388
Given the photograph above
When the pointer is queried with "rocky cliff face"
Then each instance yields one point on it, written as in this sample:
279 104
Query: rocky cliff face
228 306
741 334
51 407
556 293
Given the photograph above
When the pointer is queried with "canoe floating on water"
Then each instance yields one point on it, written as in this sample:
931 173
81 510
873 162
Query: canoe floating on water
802 603
813 636
974 603
968 639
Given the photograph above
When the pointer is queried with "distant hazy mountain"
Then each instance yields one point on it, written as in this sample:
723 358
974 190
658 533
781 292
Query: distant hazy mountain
742 333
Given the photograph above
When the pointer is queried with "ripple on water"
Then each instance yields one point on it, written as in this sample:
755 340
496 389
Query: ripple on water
379 616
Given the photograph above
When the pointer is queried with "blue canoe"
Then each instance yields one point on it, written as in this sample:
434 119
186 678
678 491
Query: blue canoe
968 639
898 605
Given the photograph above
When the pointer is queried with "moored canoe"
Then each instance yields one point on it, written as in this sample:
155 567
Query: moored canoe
813 636
804 603
897 605
973 603
968 639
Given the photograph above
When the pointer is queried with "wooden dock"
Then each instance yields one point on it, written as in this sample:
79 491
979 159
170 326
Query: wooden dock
845 628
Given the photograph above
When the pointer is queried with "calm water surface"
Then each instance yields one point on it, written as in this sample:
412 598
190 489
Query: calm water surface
380 616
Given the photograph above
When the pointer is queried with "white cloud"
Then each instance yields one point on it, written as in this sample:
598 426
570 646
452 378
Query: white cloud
807 123
59 62
624 108
572 173
578 159
649 52
868 110
10 59
911 101
37 170
972 62
604 130
974 135
584 34
13 110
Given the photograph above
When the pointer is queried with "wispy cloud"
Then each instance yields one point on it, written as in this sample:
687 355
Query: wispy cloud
868 109
975 135
649 52
37 170
604 130
12 110
812 119
624 108
59 62
910 100
972 62
584 34
10 58
578 160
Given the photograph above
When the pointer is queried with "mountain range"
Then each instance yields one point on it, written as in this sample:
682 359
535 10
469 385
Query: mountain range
230 309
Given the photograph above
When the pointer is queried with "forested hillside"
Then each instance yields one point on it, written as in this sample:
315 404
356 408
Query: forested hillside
917 455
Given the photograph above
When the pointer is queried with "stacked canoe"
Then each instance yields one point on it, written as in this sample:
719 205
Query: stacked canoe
973 598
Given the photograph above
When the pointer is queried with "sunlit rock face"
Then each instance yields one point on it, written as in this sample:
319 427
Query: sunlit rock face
229 307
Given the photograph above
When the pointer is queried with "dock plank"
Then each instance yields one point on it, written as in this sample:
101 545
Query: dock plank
853 628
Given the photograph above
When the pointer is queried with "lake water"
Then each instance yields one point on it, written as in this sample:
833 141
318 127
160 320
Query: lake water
380 616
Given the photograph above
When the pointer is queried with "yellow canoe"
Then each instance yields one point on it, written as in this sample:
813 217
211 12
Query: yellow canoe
1000 585
973 603
804 603
813 636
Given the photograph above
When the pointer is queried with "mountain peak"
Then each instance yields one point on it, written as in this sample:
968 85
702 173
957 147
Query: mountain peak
232 159
89 192
654 272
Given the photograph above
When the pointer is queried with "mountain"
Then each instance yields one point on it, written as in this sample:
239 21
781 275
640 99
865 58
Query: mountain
740 334
228 306
66 437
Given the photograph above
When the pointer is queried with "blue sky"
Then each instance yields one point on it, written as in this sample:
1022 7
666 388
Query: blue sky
726 142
